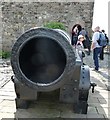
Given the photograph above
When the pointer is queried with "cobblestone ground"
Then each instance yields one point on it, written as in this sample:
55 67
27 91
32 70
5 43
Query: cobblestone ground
99 102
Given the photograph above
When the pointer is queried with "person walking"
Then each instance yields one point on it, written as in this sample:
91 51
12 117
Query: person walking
96 47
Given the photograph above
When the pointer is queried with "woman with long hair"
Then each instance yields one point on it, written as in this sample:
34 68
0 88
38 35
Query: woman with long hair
75 32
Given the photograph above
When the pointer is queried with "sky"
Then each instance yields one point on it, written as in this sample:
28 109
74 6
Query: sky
100 16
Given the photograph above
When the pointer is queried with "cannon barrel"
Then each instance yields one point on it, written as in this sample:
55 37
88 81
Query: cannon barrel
43 59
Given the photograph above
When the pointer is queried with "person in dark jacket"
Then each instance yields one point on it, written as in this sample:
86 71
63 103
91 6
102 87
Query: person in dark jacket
75 32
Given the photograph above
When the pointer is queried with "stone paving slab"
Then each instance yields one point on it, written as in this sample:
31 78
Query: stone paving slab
104 100
6 109
8 103
3 81
7 115
92 110
104 111
5 72
99 105
91 99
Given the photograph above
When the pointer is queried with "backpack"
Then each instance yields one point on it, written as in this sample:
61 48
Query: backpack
102 39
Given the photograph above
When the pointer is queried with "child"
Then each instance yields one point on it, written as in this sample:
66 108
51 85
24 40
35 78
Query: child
79 42
79 45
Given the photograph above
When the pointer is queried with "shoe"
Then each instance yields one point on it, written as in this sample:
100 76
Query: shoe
95 70
101 59
88 53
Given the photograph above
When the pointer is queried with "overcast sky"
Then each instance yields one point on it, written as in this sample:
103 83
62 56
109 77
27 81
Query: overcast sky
100 17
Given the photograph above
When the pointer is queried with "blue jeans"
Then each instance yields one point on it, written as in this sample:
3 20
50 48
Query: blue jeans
96 53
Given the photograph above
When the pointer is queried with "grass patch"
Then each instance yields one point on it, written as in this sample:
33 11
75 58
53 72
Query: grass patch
5 54
55 25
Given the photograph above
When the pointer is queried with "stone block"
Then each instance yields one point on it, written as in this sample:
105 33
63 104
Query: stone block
37 113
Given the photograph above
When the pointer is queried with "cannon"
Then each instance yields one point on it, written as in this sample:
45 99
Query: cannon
43 61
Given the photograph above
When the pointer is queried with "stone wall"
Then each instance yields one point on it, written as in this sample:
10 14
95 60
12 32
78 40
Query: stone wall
18 17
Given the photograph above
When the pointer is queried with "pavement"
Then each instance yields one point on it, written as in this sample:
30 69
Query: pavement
99 101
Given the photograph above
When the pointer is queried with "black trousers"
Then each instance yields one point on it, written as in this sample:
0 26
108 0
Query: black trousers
102 53
87 44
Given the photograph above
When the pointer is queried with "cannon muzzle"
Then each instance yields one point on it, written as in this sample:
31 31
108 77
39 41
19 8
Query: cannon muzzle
43 58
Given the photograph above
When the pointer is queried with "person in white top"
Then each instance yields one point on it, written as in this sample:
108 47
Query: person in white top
96 47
